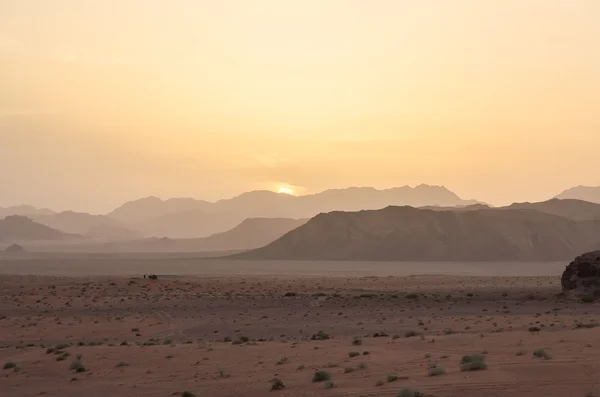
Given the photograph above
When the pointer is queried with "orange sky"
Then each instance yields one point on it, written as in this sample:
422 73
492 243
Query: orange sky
106 101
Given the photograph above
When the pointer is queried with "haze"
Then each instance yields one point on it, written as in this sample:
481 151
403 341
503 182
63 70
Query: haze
107 101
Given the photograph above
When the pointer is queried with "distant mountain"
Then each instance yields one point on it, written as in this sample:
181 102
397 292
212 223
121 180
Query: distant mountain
473 207
20 228
410 234
145 209
585 193
251 233
186 218
112 232
77 222
577 210
188 224
24 210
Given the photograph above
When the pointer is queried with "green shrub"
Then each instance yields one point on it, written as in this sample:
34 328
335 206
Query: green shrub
408 392
436 371
321 376
277 384
353 354
77 366
9 365
392 378
475 362
541 353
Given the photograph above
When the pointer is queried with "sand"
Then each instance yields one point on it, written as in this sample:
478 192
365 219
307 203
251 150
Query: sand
230 334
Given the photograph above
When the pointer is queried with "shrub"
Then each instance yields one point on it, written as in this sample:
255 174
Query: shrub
300 367
408 392
348 370
277 384
188 394
329 385
320 336
10 365
476 362
379 383
521 353
122 364
410 334
357 342
392 378
282 361
77 366
353 354
436 371
49 350
321 376
541 353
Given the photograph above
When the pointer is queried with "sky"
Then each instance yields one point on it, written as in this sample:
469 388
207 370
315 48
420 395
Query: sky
103 102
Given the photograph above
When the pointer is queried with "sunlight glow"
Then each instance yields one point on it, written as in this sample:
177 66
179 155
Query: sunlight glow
285 190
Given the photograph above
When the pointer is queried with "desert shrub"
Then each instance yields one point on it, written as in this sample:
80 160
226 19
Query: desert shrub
348 370
122 364
379 383
353 354
475 362
277 384
223 374
300 367
290 294
392 378
410 334
188 394
320 336
244 339
541 353
408 392
329 385
282 361
357 342
77 366
321 376
49 350
362 366
521 353
167 342
436 371
412 296
9 365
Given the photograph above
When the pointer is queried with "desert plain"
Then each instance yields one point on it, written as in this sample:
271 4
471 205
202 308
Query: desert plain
93 326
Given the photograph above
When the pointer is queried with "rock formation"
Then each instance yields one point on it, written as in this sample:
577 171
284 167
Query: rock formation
582 276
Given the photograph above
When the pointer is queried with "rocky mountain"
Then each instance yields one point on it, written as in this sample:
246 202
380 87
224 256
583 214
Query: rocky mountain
149 208
186 218
24 210
585 193
20 228
79 223
410 234
251 233
112 232
577 210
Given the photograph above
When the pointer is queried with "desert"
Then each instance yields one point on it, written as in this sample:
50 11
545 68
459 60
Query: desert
239 327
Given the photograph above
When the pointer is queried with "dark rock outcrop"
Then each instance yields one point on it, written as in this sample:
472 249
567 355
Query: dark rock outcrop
582 276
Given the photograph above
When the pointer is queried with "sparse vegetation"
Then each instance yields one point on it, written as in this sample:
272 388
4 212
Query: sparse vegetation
122 364
436 371
476 362
541 353
408 392
9 365
321 376
320 336
392 378
353 354
277 384
410 334
188 394
357 342
77 366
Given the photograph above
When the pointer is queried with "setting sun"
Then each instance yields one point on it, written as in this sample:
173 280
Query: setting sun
285 190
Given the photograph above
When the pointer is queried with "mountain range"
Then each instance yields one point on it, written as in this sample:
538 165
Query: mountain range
585 193
412 234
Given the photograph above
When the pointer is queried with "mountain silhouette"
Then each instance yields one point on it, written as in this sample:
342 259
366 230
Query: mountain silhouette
77 222
410 234
585 193
251 233
184 218
17 228
577 210
24 210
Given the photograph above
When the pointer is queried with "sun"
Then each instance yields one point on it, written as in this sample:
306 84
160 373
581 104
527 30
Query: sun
285 190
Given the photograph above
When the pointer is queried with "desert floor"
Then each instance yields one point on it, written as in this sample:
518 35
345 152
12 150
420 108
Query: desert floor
232 335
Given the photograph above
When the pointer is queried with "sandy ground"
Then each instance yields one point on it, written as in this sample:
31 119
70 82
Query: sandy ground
139 337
